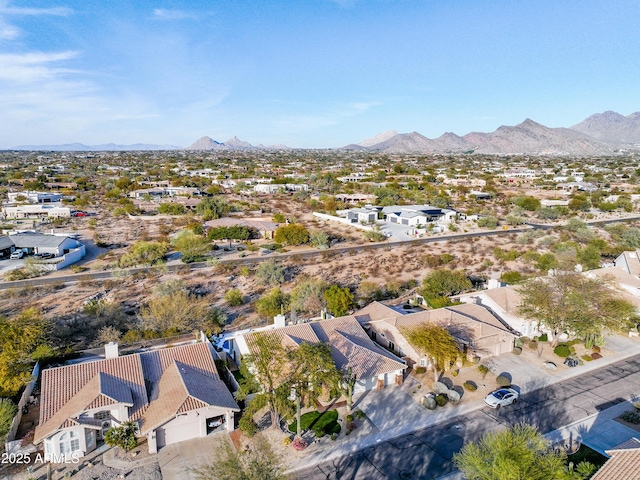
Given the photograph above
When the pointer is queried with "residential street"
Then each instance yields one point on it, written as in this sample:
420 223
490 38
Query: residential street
427 453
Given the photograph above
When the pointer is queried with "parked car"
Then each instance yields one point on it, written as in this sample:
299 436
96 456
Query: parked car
79 214
501 397
18 254
44 256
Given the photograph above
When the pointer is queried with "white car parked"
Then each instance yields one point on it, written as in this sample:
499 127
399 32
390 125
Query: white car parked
501 397
17 255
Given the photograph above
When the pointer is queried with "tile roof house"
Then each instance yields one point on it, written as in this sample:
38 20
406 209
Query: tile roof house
350 346
173 394
477 329
623 464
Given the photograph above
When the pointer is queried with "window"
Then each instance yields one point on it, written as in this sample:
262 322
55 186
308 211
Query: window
373 336
106 415
423 362
392 346
69 442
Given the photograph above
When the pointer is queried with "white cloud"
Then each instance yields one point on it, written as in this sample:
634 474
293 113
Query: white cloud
165 14
33 66
56 11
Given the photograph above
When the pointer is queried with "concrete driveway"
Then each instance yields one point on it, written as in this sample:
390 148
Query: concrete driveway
177 461
390 407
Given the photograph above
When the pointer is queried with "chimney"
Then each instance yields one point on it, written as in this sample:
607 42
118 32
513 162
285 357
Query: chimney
111 350
279 320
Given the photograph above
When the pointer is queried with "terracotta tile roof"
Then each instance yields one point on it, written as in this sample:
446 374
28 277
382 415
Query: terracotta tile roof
507 298
183 388
350 344
68 391
624 463
188 373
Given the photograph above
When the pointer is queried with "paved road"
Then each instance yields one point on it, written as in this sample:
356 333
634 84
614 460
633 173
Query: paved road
427 453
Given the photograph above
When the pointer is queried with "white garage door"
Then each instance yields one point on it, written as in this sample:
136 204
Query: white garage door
177 431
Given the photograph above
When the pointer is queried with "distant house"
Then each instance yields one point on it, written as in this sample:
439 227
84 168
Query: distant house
173 394
582 186
476 329
165 192
34 197
362 215
356 198
414 215
37 211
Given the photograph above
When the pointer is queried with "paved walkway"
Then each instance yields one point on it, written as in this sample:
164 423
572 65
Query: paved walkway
392 402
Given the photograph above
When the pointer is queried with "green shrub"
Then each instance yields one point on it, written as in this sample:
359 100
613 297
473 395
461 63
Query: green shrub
562 350
587 358
248 426
319 433
420 370
543 338
349 418
470 386
631 416
596 356
333 436
360 414
517 350
483 369
503 380
441 400
573 342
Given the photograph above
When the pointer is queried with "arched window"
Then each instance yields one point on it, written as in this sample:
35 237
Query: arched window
69 442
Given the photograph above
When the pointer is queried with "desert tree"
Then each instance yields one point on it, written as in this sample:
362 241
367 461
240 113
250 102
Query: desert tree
259 461
436 343
572 302
270 273
520 452
339 300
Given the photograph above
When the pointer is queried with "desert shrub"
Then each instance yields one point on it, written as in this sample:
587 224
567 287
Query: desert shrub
596 356
286 441
586 358
359 414
470 386
319 433
631 416
533 345
573 342
543 338
248 426
430 402
483 369
421 370
440 388
441 400
503 381
525 339
596 349
562 350
350 418
351 426
453 396
517 350
333 436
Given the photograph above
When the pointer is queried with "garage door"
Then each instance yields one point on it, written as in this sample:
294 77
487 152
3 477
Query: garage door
177 431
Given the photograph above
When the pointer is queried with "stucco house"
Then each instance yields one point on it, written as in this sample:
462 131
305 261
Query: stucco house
173 394
351 347
477 330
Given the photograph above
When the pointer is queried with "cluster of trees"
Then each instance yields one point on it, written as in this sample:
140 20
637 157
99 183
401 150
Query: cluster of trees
290 377
571 302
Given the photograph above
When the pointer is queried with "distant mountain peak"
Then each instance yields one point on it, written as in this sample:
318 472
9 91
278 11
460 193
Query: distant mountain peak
379 138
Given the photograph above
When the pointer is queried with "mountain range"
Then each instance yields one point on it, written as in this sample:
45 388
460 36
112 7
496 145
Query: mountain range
107 147
599 134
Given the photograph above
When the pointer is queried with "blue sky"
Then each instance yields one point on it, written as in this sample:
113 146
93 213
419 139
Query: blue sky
307 73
